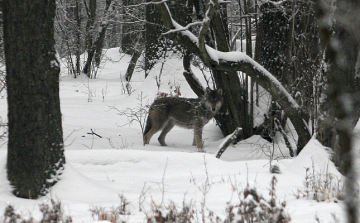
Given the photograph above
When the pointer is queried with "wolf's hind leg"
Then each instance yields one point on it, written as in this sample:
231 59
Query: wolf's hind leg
165 131
151 128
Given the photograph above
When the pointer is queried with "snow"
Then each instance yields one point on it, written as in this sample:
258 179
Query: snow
99 170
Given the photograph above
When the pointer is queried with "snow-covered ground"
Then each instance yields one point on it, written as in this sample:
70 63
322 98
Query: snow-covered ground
100 170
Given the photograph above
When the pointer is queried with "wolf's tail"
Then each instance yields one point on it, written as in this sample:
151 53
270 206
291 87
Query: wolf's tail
148 125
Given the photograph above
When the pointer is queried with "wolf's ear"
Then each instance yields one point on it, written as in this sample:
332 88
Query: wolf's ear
220 92
208 91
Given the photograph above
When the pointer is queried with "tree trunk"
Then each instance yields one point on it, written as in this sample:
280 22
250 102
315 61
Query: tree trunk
35 147
91 12
99 47
131 29
95 47
130 70
154 45
230 83
95 51
287 46
77 37
341 69
101 38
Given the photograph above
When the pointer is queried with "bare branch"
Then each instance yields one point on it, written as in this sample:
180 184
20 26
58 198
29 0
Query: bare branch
211 6
187 27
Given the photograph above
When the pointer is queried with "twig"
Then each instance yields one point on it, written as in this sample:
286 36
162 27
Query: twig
142 197
205 188
163 184
67 137
93 133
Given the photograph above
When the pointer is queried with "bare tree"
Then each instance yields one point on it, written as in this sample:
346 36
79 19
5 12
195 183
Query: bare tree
68 33
81 27
132 41
95 35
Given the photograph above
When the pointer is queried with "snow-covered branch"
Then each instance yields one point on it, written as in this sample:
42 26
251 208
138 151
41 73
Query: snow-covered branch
146 3
187 27
227 141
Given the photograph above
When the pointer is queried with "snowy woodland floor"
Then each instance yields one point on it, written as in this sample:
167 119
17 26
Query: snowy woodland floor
103 172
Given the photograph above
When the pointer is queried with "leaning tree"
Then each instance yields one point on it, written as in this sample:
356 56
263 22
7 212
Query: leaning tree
35 146
225 65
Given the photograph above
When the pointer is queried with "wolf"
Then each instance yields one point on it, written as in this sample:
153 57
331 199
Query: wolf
189 113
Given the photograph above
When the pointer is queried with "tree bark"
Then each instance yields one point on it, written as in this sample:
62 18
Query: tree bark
130 70
190 78
35 147
154 45
77 38
230 83
236 61
91 12
337 55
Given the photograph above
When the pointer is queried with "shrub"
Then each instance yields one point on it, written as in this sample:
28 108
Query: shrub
255 208
171 214
114 214
53 214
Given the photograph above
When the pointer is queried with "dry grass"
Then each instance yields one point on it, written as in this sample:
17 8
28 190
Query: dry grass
50 213
321 186
113 214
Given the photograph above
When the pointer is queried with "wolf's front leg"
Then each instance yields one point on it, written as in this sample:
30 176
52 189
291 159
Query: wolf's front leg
198 137
194 140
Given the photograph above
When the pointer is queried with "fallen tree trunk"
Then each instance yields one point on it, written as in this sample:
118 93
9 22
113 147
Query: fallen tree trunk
229 140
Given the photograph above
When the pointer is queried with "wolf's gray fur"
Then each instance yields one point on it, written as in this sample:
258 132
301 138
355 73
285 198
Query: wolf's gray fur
190 113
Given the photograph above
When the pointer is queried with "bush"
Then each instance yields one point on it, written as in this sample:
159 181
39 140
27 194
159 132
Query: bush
255 208
53 214
171 214
114 214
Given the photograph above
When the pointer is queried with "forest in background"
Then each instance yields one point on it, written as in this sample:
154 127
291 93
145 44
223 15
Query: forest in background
282 36
312 49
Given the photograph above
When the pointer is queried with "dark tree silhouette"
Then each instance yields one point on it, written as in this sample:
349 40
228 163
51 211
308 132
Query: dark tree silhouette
35 146
341 69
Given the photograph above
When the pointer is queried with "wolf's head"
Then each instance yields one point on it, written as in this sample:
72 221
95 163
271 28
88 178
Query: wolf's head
212 100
